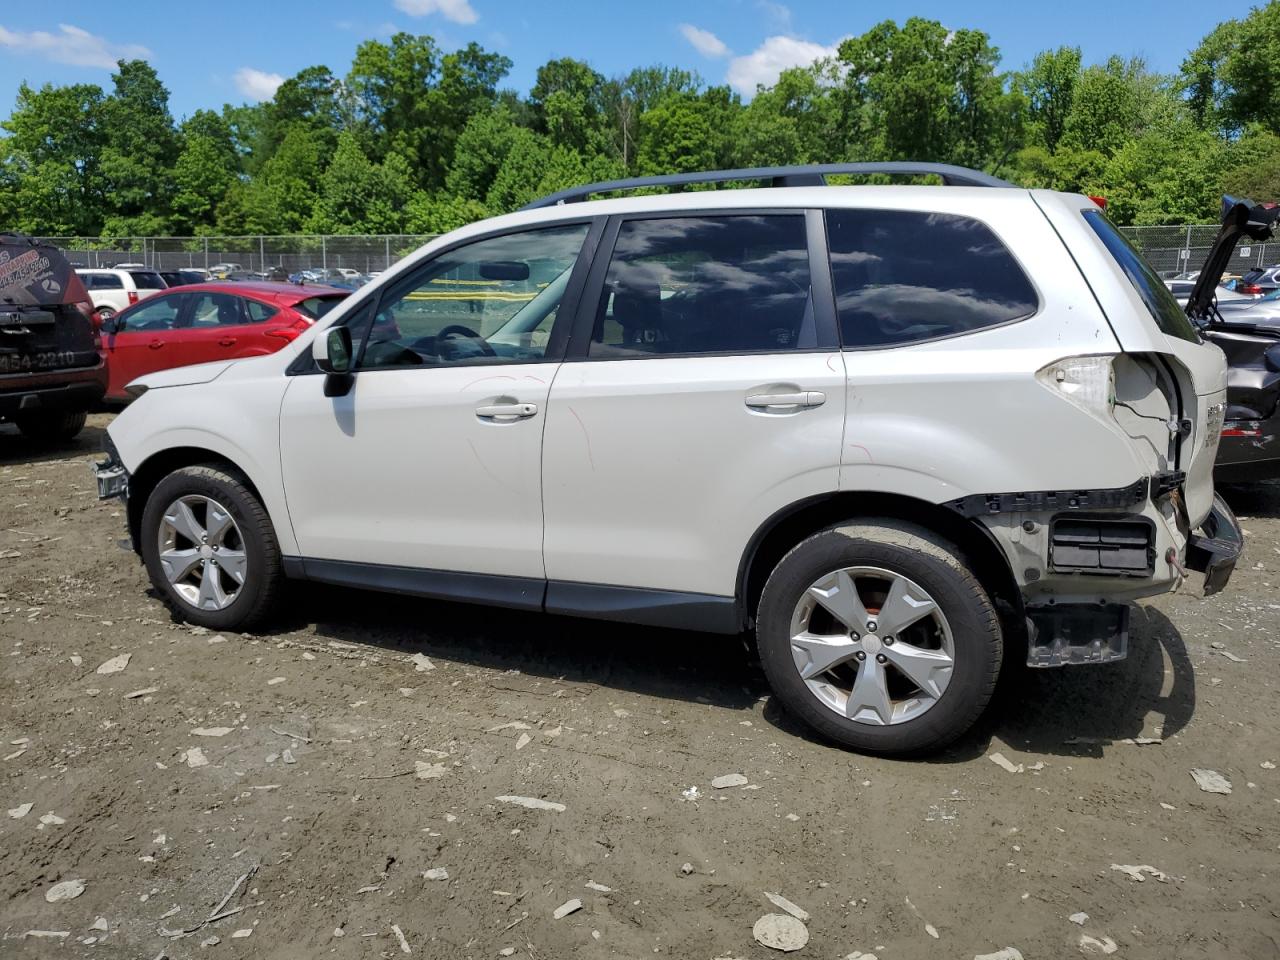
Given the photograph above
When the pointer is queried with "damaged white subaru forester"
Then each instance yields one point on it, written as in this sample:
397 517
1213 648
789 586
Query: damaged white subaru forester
900 432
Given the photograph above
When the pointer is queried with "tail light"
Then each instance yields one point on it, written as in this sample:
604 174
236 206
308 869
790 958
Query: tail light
1249 288
290 333
133 296
1100 201
1242 428
1087 382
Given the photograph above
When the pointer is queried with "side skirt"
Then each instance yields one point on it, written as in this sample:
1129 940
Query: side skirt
657 608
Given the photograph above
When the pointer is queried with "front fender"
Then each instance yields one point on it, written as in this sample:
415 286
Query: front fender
238 422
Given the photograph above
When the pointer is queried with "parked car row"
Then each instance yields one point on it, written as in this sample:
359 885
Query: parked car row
772 410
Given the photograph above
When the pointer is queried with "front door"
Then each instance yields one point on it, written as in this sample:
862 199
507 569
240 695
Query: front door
707 393
144 341
432 460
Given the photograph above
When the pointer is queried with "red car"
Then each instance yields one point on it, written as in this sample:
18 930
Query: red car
208 321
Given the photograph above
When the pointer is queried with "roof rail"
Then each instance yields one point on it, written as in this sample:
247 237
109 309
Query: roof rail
795 176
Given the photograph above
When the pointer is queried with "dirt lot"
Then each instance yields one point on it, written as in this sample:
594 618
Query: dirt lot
332 770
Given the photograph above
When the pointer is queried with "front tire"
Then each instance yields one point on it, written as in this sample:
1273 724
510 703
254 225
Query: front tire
877 636
210 549
52 426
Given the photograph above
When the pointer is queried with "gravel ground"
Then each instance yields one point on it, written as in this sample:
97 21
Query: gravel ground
344 798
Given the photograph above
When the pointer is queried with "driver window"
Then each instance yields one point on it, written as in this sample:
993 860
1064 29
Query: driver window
492 301
160 313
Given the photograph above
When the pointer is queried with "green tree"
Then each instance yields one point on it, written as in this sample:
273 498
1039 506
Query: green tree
922 91
359 196
51 160
568 102
412 100
1049 88
140 147
1233 77
284 192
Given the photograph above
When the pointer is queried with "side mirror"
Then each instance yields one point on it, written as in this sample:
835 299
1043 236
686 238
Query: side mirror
511 271
332 352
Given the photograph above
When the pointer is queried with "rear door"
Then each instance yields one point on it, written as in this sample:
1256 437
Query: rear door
145 340
704 391
214 328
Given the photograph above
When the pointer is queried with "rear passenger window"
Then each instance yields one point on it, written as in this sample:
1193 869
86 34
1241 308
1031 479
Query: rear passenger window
259 311
904 276
691 285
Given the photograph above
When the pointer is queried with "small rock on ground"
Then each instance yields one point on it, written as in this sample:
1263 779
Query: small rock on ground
779 931
729 780
566 908
66 890
1211 781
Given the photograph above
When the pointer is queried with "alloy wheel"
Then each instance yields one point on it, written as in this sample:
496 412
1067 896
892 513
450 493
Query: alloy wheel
202 552
872 645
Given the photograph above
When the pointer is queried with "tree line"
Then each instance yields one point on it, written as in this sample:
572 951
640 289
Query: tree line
413 139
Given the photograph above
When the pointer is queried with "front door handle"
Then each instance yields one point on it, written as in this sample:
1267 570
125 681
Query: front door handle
804 398
507 411
155 344
227 342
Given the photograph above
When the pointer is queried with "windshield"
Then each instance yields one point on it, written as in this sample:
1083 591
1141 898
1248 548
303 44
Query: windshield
1160 303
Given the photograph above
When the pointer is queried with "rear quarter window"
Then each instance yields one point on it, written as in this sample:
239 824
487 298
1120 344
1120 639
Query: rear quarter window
147 280
907 276
317 307
1164 309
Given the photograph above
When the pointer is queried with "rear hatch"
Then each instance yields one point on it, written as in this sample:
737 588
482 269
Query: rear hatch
1177 379
45 315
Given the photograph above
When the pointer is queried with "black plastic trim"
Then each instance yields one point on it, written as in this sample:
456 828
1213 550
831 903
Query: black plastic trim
522 593
1035 501
1214 551
802 175
1057 565
655 608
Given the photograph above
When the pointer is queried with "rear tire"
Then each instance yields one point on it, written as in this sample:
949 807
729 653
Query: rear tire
51 426
914 643
210 549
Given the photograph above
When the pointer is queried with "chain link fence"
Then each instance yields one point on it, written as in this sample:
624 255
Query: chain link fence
258 254
1169 249
1173 250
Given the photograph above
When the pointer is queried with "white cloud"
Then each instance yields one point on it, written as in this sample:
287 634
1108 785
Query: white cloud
763 64
459 11
257 84
73 46
779 13
704 41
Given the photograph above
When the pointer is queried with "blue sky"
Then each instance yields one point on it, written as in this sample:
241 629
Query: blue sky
235 51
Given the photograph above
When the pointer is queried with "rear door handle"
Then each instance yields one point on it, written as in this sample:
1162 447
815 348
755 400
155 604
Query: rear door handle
227 342
805 398
507 411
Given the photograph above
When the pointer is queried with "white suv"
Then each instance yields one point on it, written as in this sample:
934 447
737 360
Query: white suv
900 431
112 290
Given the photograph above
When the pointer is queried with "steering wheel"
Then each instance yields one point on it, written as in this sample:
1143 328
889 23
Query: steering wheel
458 330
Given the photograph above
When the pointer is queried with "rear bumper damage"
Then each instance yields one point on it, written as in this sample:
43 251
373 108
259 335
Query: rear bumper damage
1216 547
1080 557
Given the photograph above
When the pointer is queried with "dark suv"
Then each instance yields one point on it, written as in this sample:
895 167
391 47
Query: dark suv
51 364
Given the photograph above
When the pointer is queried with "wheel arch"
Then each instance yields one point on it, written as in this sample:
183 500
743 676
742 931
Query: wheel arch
792 524
158 466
